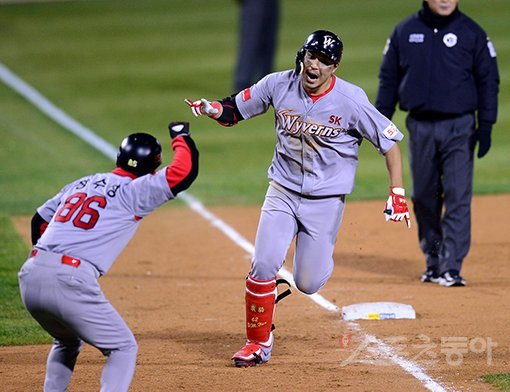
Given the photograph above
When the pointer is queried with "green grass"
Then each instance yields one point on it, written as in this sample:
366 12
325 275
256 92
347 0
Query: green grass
500 381
16 325
124 65
120 66
38 157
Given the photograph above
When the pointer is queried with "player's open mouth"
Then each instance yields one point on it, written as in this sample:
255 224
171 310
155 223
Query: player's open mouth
311 75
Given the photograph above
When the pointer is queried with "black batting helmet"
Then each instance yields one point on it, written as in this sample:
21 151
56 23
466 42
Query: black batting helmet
321 41
139 153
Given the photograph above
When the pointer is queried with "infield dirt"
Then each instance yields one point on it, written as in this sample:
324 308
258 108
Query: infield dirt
180 287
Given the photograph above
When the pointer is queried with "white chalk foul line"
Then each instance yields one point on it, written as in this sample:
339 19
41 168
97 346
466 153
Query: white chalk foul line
84 133
55 113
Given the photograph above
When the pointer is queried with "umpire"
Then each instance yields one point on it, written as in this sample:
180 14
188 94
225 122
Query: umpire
440 66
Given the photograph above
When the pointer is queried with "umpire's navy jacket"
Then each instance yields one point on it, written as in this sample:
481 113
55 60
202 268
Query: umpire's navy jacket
439 67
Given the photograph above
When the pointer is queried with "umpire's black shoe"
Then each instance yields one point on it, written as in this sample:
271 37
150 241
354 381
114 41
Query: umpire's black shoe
451 278
430 275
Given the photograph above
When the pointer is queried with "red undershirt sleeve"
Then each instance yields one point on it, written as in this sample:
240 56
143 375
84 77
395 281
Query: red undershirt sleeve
183 170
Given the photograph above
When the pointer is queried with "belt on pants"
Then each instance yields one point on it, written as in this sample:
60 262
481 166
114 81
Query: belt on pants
68 260
310 197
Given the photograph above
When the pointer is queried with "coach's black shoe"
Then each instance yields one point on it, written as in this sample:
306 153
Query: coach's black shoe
430 275
451 278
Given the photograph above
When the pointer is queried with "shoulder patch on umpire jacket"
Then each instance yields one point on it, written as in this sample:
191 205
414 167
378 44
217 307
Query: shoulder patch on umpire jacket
386 47
492 49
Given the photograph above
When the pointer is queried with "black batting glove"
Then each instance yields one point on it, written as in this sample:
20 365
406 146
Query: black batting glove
178 128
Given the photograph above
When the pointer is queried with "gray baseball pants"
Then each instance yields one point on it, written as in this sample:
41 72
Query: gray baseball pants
69 304
313 222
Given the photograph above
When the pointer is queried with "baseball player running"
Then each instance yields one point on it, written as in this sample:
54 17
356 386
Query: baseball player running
78 234
320 123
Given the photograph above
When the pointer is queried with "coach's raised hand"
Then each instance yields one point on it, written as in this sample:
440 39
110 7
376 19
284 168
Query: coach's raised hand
178 128
203 106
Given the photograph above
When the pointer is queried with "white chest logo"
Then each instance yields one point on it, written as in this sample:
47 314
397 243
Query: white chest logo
416 38
450 40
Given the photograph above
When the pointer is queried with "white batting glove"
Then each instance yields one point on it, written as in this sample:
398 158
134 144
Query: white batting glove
203 106
396 207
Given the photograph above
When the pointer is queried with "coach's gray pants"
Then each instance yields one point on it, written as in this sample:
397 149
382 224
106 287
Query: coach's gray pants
69 304
441 161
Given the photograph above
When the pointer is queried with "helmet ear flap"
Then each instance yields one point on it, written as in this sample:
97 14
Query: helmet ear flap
300 56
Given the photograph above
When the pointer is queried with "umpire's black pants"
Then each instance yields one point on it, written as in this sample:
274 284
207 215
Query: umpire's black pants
441 159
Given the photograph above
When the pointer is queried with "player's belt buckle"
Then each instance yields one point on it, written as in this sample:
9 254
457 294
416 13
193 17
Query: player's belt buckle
71 261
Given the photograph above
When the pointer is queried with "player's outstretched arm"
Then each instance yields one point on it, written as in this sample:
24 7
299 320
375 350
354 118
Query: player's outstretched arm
183 170
396 208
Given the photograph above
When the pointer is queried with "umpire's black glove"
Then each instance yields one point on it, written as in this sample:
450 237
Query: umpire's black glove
178 128
482 136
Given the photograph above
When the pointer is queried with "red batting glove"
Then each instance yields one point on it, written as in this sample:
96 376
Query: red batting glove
396 206
203 106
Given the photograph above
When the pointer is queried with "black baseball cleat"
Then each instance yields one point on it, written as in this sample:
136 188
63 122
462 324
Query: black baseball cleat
430 275
241 363
451 278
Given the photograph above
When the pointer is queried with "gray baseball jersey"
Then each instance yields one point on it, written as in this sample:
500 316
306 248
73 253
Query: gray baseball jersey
313 167
318 139
110 207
